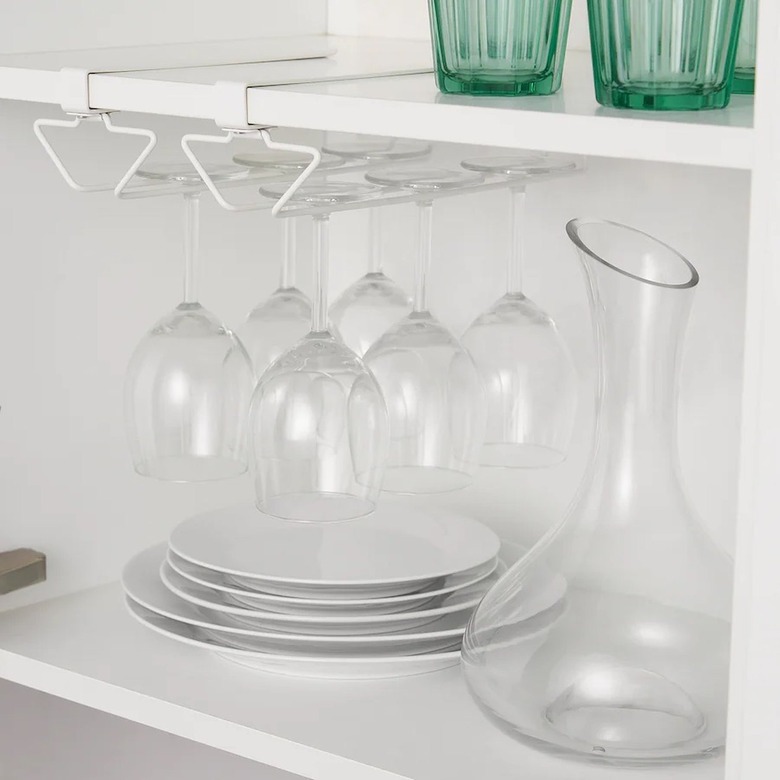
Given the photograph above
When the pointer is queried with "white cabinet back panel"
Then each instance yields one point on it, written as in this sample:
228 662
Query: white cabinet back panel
84 744
86 24
86 276
409 19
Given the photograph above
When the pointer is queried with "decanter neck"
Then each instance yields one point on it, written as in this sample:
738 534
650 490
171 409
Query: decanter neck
640 329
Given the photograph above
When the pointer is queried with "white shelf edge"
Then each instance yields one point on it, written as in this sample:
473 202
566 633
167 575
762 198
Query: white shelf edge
86 648
196 726
604 136
367 87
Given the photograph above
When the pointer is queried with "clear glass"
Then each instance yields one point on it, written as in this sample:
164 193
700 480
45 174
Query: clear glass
611 638
499 47
281 321
318 422
188 386
374 148
372 304
526 368
430 383
665 55
745 64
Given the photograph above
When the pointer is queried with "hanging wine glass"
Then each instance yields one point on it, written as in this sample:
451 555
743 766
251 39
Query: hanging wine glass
189 381
374 148
367 308
372 304
430 383
318 420
526 369
283 319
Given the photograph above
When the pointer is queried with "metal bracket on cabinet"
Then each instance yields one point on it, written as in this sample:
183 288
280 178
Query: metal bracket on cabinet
20 568
104 117
264 135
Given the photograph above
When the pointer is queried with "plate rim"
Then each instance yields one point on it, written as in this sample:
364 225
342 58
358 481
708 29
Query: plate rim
328 660
274 598
327 582
323 620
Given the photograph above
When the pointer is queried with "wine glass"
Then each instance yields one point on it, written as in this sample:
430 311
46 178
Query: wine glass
430 383
189 381
375 148
283 319
526 369
369 306
318 420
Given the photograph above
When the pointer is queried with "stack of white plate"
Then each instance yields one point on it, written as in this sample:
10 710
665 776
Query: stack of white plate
385 596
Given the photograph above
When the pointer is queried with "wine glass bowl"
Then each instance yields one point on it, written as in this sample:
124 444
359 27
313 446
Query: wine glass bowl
433 394
275 325
529 383
318 419
367 309
187 393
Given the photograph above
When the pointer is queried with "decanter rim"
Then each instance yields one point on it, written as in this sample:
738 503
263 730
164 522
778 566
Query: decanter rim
573 230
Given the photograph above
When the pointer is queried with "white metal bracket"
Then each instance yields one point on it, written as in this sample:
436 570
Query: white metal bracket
264 135
104 117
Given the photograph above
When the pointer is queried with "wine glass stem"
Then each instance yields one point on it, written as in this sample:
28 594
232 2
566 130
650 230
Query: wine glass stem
320 310
424 250
514 274
287 278
191 246
375 241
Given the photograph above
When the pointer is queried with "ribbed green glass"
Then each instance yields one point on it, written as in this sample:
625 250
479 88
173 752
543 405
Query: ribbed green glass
745 66
499 47
664 55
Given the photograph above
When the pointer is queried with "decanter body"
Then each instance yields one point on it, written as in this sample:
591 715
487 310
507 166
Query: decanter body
611 638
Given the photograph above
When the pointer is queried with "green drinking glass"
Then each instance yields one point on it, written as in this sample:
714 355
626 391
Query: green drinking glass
499 47
664 55
745 66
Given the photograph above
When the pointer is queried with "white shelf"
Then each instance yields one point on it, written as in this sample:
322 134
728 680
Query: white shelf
381 86
87 649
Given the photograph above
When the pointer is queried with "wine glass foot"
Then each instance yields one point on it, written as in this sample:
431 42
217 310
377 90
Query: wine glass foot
319 507
191 469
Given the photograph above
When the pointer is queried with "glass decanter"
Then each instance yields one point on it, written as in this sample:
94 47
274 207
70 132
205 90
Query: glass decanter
611 638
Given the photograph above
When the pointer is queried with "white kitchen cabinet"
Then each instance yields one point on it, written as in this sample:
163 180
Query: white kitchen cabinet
87 274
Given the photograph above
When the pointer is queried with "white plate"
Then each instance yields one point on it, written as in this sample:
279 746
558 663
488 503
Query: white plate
335 668
399 549
461 602
272 603
142 584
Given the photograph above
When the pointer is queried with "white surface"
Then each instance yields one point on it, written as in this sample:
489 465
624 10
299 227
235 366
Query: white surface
52 25
396 545
569 121
86 648
84 744
313 606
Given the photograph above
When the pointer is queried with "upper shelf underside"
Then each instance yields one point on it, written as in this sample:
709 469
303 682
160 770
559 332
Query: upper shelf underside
381 87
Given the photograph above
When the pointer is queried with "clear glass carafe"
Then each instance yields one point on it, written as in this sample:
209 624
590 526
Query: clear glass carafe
611 638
